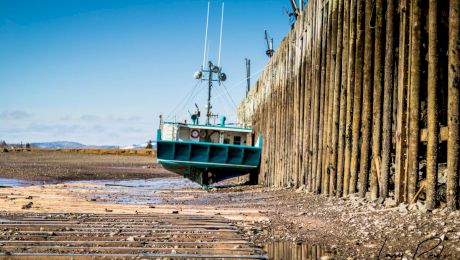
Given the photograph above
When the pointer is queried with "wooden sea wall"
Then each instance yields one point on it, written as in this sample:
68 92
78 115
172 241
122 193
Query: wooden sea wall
363 97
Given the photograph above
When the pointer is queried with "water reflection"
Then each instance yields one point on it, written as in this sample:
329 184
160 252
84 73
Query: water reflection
10 183
295 251
133 191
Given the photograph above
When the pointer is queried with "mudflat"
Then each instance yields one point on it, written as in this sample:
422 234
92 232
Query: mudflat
59 166
346 227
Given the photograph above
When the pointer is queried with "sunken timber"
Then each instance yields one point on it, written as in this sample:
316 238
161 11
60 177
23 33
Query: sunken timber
363 97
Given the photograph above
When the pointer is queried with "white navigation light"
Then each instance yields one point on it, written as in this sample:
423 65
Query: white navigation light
222 77
198 75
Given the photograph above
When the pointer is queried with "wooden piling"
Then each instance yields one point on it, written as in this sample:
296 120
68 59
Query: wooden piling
401 116
343 99
387 101
453 117
330 91
350 92
377 98
414 99
328 112
433 129
323 104
357 96
367 102
318 97
336 101
330 185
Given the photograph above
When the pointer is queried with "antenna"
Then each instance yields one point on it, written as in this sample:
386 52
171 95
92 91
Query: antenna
248 75
206 36
269 42
220 37
295 9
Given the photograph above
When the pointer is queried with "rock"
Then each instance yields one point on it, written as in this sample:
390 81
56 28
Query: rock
454 214
28 205
380 200
301 213
389 203
131 239
403 208
300 189
114 233
175 212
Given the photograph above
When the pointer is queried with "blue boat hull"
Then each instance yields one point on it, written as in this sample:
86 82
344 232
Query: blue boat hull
207 163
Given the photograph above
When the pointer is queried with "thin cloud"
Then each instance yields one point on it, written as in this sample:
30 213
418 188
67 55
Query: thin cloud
124 119
87 117
134 118
14 115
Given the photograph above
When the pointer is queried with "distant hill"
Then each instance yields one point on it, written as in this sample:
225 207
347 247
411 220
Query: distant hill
139 146
68 145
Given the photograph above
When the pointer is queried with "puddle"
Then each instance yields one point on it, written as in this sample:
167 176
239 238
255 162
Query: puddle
134 191
11 183
295 251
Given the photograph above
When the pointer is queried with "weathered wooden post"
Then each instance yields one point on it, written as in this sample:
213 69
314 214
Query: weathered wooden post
343 100
357 96
350 87
330 183
387 100
414 99
336 102
433 129
323 104
453 117
326 140
367 103
377 99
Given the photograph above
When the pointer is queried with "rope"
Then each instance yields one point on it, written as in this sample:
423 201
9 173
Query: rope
372 15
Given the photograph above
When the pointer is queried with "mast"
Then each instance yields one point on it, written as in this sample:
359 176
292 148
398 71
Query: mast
213 72
208 107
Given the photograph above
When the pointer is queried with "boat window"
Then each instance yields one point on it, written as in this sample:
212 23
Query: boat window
237 140
226 141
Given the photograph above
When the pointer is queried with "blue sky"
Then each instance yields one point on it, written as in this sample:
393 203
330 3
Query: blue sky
102 71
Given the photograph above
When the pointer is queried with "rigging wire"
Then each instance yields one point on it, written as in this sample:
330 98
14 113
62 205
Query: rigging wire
220 37
243 80
184 99
228 106
206 36
228 94
191 98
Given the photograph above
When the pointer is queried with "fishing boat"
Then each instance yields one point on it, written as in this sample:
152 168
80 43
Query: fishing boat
208 152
